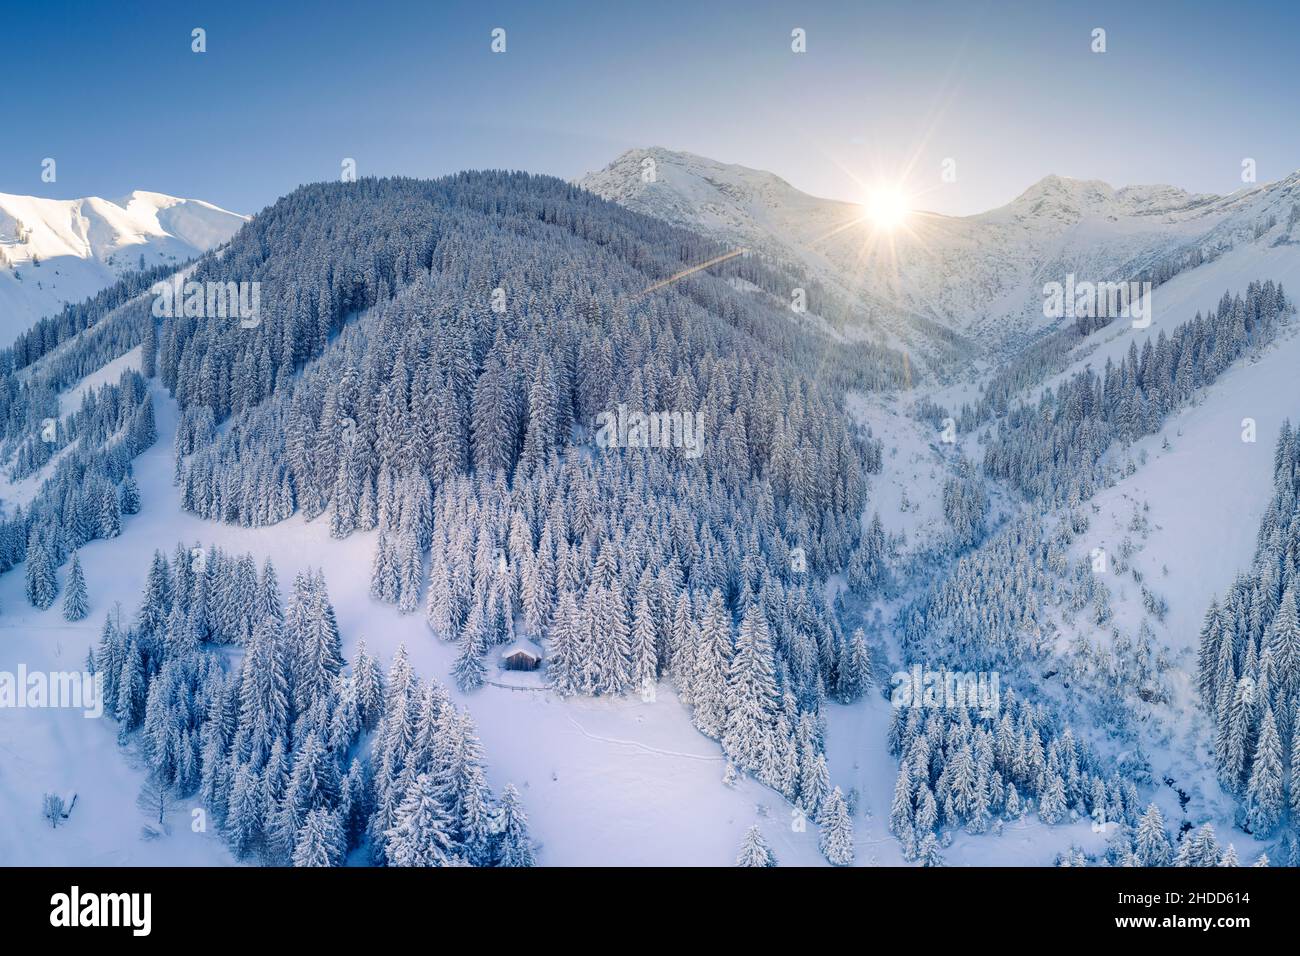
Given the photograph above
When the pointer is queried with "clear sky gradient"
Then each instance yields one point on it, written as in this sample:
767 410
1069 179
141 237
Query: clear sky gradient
286 90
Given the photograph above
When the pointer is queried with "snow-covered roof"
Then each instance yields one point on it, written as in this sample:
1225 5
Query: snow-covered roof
522 647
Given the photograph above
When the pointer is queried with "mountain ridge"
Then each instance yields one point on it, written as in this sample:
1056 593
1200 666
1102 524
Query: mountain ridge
978 276
56 251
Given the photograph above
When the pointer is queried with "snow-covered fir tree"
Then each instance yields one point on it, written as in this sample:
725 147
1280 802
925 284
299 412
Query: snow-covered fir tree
76 602
754 851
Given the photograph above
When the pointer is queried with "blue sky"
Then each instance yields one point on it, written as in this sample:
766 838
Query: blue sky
285 91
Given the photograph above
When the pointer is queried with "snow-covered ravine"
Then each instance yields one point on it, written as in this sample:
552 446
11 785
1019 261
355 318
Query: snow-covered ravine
907 495
1206 493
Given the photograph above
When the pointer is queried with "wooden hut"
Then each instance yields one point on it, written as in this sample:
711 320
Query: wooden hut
521 656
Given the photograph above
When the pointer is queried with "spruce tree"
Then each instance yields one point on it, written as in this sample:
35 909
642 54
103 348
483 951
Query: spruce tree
563 643
513 848
76 603
420 835
1152 841
319 841
754 851
130 498
712 663
750 700
645 656
929 853
835 838
1265 801
469 670
41 584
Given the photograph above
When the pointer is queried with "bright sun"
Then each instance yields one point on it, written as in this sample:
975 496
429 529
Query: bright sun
886 207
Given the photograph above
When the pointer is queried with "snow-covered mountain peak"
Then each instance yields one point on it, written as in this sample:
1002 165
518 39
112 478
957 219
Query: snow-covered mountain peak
979 275
1063 198
1068 190
55 251
636 172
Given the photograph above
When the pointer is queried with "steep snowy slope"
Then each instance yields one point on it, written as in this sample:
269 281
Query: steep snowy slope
1185 522
748 206
637 777
55 251
978 275
621 782
605 782
757 210
1209 488
626 781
